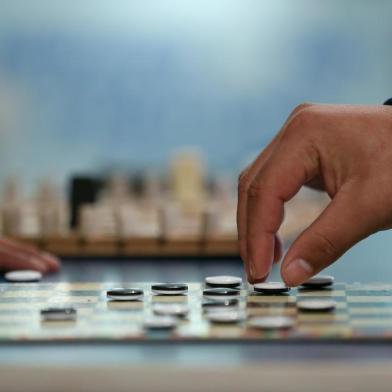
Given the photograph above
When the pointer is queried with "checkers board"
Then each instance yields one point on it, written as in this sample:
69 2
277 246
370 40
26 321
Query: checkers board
363 312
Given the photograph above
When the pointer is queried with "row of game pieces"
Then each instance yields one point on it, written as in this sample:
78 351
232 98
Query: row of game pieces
167 220
100 220
113 220
114 211
119 204
220 301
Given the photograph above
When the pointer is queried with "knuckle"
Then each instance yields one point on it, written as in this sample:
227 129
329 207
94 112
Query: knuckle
301 125
256 189
301 106
242 175
244 181
304 116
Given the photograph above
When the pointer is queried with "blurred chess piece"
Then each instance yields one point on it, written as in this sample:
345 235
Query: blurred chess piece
53 211
210 221
187 178
153 191
19 215
169 219
136 220
11 198
223 207
224 192
98 221
116 191
178 222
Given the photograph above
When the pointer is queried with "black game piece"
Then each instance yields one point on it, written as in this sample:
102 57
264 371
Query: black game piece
221 292
220 303
169 288
124 294
58 314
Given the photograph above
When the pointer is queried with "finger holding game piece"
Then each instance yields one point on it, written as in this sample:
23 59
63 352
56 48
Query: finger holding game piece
271 288
318 282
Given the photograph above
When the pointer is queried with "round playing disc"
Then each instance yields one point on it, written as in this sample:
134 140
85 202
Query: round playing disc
58 314
120 294
225 303
227 317
169 288
23 276
160 322
319 281
223 281
167 309
316 305
271 322
220 293
271 288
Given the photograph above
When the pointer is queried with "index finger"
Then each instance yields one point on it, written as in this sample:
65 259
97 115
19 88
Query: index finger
247 177
291 166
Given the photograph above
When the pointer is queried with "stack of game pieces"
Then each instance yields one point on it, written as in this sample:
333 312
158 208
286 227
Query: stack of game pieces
221 304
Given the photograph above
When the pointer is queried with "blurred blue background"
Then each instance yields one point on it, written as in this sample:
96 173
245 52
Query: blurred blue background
87 84
91 84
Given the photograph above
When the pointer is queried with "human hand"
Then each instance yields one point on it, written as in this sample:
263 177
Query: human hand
16 256
344 150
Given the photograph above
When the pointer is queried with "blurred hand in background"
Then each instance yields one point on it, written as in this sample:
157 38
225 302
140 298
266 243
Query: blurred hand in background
16 256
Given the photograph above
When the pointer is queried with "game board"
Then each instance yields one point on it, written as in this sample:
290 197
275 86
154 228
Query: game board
363 312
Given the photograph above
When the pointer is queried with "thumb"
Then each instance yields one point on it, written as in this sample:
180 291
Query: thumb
340 226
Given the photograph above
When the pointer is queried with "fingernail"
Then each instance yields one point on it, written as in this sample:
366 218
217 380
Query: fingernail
297 272
254 274
51 259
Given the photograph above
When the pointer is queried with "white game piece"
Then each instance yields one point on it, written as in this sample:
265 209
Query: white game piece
271 287
223 281
319 281
23 276
226 317
220 309
170 309
271 322
160 322
187 177
316 305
